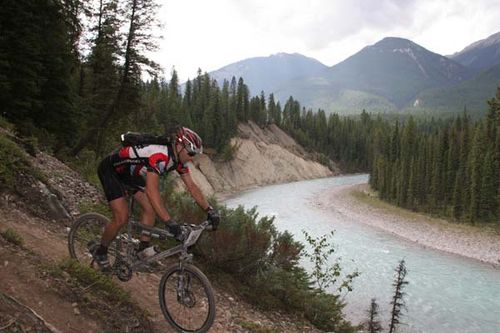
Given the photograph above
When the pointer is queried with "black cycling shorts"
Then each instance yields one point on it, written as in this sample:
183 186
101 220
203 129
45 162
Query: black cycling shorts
116 185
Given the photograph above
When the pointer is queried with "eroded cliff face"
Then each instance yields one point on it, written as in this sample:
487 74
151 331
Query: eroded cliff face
263 156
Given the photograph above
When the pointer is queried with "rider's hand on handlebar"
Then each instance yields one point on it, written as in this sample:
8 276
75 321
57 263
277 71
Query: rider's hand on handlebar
174 228
213 217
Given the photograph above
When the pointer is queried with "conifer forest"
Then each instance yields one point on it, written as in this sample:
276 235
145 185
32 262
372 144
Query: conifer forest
81 75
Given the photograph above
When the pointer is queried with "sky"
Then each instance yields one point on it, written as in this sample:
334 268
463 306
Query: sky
210 34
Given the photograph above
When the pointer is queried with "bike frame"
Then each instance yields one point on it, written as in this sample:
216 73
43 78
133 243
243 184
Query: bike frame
185 257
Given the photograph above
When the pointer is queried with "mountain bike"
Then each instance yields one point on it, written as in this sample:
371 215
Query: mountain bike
186 296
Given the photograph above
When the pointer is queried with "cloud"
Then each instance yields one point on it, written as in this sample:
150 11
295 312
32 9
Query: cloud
211 34
318 23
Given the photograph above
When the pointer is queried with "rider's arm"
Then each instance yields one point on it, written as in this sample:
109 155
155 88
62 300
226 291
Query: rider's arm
195 191
154 196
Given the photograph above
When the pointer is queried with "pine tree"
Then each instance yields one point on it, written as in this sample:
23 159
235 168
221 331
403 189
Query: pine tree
230 120
487 206
398 302
412 195
175 101
242 101
465 147
102 79
141 18
475 162
35 70
271 107
373 324
452 162
279 114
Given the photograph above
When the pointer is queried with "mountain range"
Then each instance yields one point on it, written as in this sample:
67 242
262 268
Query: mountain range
394 74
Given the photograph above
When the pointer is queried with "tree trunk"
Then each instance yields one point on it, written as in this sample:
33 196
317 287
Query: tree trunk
91 133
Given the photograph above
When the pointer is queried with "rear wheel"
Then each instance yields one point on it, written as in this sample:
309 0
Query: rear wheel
187 299
85 231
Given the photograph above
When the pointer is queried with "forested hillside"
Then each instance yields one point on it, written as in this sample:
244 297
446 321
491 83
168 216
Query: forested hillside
447 167
74 82
450 169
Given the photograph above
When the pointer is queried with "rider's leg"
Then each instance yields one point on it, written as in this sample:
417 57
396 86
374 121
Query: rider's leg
148 216
119 209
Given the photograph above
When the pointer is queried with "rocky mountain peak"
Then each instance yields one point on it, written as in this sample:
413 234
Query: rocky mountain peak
480 55
490 41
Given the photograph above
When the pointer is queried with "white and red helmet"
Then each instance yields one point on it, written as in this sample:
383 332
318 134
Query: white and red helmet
190 140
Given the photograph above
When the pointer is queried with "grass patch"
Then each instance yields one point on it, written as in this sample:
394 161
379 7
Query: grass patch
11 236
51 269
369 197
99 296
14 162
254 327
89 207
6 125
102 284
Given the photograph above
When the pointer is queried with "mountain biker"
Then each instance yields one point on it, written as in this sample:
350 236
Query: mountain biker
139 167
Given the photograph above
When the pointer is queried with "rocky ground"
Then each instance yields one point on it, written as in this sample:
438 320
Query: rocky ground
261 157
464 240
30 300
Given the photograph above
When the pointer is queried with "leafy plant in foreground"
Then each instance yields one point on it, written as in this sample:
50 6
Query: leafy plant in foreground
326 269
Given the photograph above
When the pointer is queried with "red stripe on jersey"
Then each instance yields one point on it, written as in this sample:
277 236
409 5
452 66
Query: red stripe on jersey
182 169
137 170
124 152
156 158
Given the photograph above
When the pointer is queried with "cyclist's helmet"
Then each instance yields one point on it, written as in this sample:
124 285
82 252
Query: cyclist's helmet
190 140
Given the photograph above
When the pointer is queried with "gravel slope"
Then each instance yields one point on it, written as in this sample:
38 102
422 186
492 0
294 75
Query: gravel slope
464 240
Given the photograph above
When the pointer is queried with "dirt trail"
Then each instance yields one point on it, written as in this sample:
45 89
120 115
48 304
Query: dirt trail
20 277
48 240
45 241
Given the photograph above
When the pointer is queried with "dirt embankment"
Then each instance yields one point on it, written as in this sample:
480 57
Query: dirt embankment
262 157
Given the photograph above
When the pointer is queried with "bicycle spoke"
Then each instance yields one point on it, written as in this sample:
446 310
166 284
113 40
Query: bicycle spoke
190 312
85 231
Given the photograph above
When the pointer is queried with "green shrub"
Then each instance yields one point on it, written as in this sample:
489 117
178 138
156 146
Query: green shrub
14 162
325 312
263 261
228 151
326 270
242 245
13 237
5 124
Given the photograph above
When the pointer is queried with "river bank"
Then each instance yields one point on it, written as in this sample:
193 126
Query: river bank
355 202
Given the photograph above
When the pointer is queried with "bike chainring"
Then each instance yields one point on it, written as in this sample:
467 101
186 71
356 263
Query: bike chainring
123 270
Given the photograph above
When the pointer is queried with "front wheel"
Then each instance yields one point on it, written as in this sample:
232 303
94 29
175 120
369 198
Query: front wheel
88 229
187 299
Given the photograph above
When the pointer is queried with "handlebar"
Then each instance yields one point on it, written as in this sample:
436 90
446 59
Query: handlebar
195 232
206 225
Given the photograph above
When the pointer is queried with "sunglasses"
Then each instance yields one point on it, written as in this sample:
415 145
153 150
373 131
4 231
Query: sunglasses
190 153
